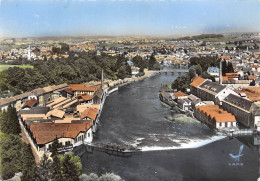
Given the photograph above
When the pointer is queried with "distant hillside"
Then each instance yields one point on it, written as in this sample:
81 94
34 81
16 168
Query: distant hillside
200 37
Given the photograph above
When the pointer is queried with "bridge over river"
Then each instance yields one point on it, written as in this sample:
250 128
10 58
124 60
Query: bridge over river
173 71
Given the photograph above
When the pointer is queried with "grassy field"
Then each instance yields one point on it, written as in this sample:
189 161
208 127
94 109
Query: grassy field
5 67
218 39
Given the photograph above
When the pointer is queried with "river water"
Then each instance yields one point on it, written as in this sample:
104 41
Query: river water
175 147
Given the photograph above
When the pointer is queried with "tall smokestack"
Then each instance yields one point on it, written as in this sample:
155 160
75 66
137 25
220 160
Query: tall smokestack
102 79
220 72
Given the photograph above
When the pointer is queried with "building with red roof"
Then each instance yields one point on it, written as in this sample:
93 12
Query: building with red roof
214 117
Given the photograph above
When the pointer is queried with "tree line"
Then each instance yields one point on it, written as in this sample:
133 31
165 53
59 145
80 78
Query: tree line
198 67
86 66
16 156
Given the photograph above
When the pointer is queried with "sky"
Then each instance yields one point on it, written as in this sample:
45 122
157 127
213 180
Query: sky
30 18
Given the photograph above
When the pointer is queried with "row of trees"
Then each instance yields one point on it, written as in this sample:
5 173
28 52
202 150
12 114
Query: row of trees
205 62
61 167
198 67
85 67
150 63
16 156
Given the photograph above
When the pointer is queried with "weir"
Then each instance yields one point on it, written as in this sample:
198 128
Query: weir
116 150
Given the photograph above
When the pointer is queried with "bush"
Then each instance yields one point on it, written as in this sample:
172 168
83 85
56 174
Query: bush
104 177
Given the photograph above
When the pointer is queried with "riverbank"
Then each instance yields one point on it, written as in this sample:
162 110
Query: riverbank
120 83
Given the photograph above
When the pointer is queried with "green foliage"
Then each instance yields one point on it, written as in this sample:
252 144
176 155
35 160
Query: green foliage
56 174
54 147
152 62
205 75
192 72
9 123
195 70
29 168
205 62
16 157
44 171
144 64
181 83
67 167
86 67
227 67
104 177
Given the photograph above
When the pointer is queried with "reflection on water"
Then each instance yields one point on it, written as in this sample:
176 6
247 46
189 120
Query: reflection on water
135 116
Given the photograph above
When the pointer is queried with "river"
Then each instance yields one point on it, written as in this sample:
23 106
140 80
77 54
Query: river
172 143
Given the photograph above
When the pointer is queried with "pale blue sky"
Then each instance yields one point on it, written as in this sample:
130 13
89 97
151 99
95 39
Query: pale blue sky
21 18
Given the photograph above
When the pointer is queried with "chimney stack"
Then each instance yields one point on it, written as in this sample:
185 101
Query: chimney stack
220 72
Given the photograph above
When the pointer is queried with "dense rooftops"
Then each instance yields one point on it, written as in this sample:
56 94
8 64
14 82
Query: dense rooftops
216 113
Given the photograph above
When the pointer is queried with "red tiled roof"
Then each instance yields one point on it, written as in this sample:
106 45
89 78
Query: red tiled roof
80 87
179 94
251 77
84 97
232 75
45 133
89 113
214 112
255 66
252 93
197 81
225 57
29 103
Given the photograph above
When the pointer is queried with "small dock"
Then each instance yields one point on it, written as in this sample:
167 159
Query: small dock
124 151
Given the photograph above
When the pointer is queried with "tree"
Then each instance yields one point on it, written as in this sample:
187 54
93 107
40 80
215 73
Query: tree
110 177
71 167
29 169
192 72
152 62
45 168
230 68
205 75
9 123
56 174
121 72
10 152
181 83
252 83
224 67
54 147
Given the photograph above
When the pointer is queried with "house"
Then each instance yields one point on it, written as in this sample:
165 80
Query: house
29 104
85 98
240 108
76 89
135 71
214 117
232 76
184 104
195 101
178 95
66 134
252 93
214 71
91 114
207 90
196 82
